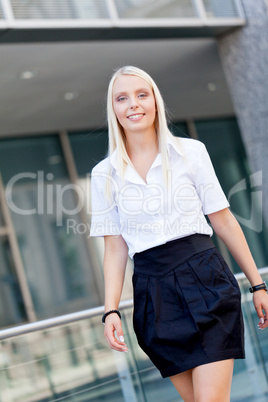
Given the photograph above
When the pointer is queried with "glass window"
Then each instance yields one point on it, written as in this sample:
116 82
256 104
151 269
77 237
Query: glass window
1 218
220 9
152 9
60 9
11 303
46 215
88 148
179 129
243 188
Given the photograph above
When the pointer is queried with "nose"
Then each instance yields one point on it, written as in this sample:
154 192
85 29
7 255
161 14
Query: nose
133 103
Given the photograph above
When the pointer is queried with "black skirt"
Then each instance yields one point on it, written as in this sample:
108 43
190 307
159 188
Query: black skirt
187 305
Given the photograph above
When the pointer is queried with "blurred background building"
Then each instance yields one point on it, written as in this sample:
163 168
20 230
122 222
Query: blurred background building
209 59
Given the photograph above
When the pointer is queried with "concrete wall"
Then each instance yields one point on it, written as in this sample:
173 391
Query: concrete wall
244 55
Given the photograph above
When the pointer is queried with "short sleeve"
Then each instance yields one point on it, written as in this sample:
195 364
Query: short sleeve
207 184
104 212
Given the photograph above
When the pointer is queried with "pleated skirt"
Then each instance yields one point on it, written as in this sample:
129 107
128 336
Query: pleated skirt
187 305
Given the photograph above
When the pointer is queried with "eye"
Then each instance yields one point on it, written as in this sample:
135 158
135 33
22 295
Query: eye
143 95
121 98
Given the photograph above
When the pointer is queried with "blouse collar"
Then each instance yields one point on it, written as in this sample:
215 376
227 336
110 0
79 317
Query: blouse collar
132 175
172 148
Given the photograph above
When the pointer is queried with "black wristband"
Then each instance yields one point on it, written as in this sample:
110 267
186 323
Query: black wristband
110 312
262 286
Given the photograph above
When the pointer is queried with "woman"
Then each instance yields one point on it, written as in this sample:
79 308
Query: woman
149 198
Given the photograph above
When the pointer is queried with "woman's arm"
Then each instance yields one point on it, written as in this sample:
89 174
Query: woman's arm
230 232
114 266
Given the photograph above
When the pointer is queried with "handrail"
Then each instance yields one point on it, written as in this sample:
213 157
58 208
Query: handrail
79 315
57 321
241 276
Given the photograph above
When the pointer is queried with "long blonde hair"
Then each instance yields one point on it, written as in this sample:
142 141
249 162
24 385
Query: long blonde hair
117 139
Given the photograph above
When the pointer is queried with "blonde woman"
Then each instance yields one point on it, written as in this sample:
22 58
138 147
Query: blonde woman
149 201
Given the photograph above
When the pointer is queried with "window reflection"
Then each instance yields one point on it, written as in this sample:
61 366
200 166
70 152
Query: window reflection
152 9
11 303
1 219
88 149
227 152
63 9
216 9
42 202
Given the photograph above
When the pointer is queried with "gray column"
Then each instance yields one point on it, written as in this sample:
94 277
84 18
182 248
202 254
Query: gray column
244 55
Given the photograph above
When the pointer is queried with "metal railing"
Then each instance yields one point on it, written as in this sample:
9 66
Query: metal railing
57 321
68 358
80 315
114 13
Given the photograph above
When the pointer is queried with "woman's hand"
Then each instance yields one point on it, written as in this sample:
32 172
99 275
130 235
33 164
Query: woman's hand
112 324
260 301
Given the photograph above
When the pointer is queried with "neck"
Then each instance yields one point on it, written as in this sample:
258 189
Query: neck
141 142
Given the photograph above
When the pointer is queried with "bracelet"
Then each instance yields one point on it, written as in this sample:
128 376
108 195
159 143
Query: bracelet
110 312
262 286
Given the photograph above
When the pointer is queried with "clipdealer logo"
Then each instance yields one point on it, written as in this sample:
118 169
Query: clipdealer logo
255 221
132 228
50 198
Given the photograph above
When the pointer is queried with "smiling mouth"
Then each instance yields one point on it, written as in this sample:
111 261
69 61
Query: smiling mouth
135 116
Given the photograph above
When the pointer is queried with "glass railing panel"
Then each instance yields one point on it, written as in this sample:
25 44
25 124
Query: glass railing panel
60 9
67 362
74 363
155 9
250 380
221 9
154 387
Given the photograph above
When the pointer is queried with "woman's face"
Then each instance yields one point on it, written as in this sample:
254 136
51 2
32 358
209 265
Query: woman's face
134 104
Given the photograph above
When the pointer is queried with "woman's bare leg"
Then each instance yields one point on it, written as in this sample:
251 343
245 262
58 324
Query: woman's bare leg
212 381
184 385
206 383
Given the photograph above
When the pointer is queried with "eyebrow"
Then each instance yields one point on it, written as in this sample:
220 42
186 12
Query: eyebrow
124 93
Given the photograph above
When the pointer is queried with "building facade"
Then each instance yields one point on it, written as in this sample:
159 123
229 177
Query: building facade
209 59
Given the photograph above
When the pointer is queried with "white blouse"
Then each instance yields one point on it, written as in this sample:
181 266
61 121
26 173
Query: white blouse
148 214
